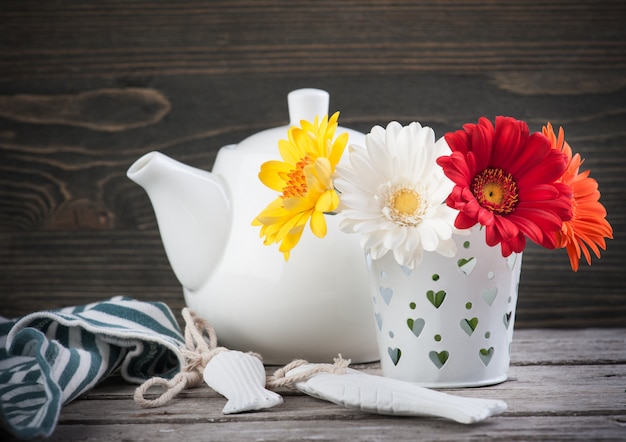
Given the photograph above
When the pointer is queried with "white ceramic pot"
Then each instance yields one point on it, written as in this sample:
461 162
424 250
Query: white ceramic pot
449 322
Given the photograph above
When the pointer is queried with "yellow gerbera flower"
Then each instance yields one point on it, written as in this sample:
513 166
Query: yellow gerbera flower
304 180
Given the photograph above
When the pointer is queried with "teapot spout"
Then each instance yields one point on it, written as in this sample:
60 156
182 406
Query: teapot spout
193 212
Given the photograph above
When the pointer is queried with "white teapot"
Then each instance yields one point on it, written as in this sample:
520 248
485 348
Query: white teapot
314 306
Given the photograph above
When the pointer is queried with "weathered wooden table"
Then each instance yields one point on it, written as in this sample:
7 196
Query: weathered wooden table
88 87
563 385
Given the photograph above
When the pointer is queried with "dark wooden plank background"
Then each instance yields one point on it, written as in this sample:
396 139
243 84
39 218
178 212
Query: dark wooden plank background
87 87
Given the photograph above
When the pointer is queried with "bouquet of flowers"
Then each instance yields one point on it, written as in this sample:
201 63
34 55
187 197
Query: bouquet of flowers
405 192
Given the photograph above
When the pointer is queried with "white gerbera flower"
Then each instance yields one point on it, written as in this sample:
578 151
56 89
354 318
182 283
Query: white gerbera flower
393 194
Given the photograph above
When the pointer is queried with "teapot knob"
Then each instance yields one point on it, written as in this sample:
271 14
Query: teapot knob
306 104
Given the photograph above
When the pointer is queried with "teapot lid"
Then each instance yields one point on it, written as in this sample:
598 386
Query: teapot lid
303 104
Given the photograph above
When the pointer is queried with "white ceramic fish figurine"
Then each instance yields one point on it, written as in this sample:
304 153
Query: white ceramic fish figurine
377 394
240 377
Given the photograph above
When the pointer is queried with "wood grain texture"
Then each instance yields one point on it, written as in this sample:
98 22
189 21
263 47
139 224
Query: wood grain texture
563 385
373 429
88 87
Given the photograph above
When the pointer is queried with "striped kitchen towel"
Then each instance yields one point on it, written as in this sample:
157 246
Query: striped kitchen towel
49 358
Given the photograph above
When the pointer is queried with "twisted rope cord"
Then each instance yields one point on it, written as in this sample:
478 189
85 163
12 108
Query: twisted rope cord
200 348
281 379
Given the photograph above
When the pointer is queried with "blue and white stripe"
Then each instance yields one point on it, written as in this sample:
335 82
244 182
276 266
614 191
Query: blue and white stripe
49 358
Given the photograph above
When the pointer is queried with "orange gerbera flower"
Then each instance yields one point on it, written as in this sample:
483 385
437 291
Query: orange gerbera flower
588 227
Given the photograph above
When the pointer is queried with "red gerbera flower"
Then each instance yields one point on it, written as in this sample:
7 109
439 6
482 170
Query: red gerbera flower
588 227
506 180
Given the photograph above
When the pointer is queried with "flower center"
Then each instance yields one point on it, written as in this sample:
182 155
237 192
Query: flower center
495 191
296 180
405 201
404 206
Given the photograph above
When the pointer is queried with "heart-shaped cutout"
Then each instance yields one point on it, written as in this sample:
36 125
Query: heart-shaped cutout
507 319
437 298
394 354
407 271
387 294
467 265
485 355
439 358
489 295
511 260
379 321
469 325
416 325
